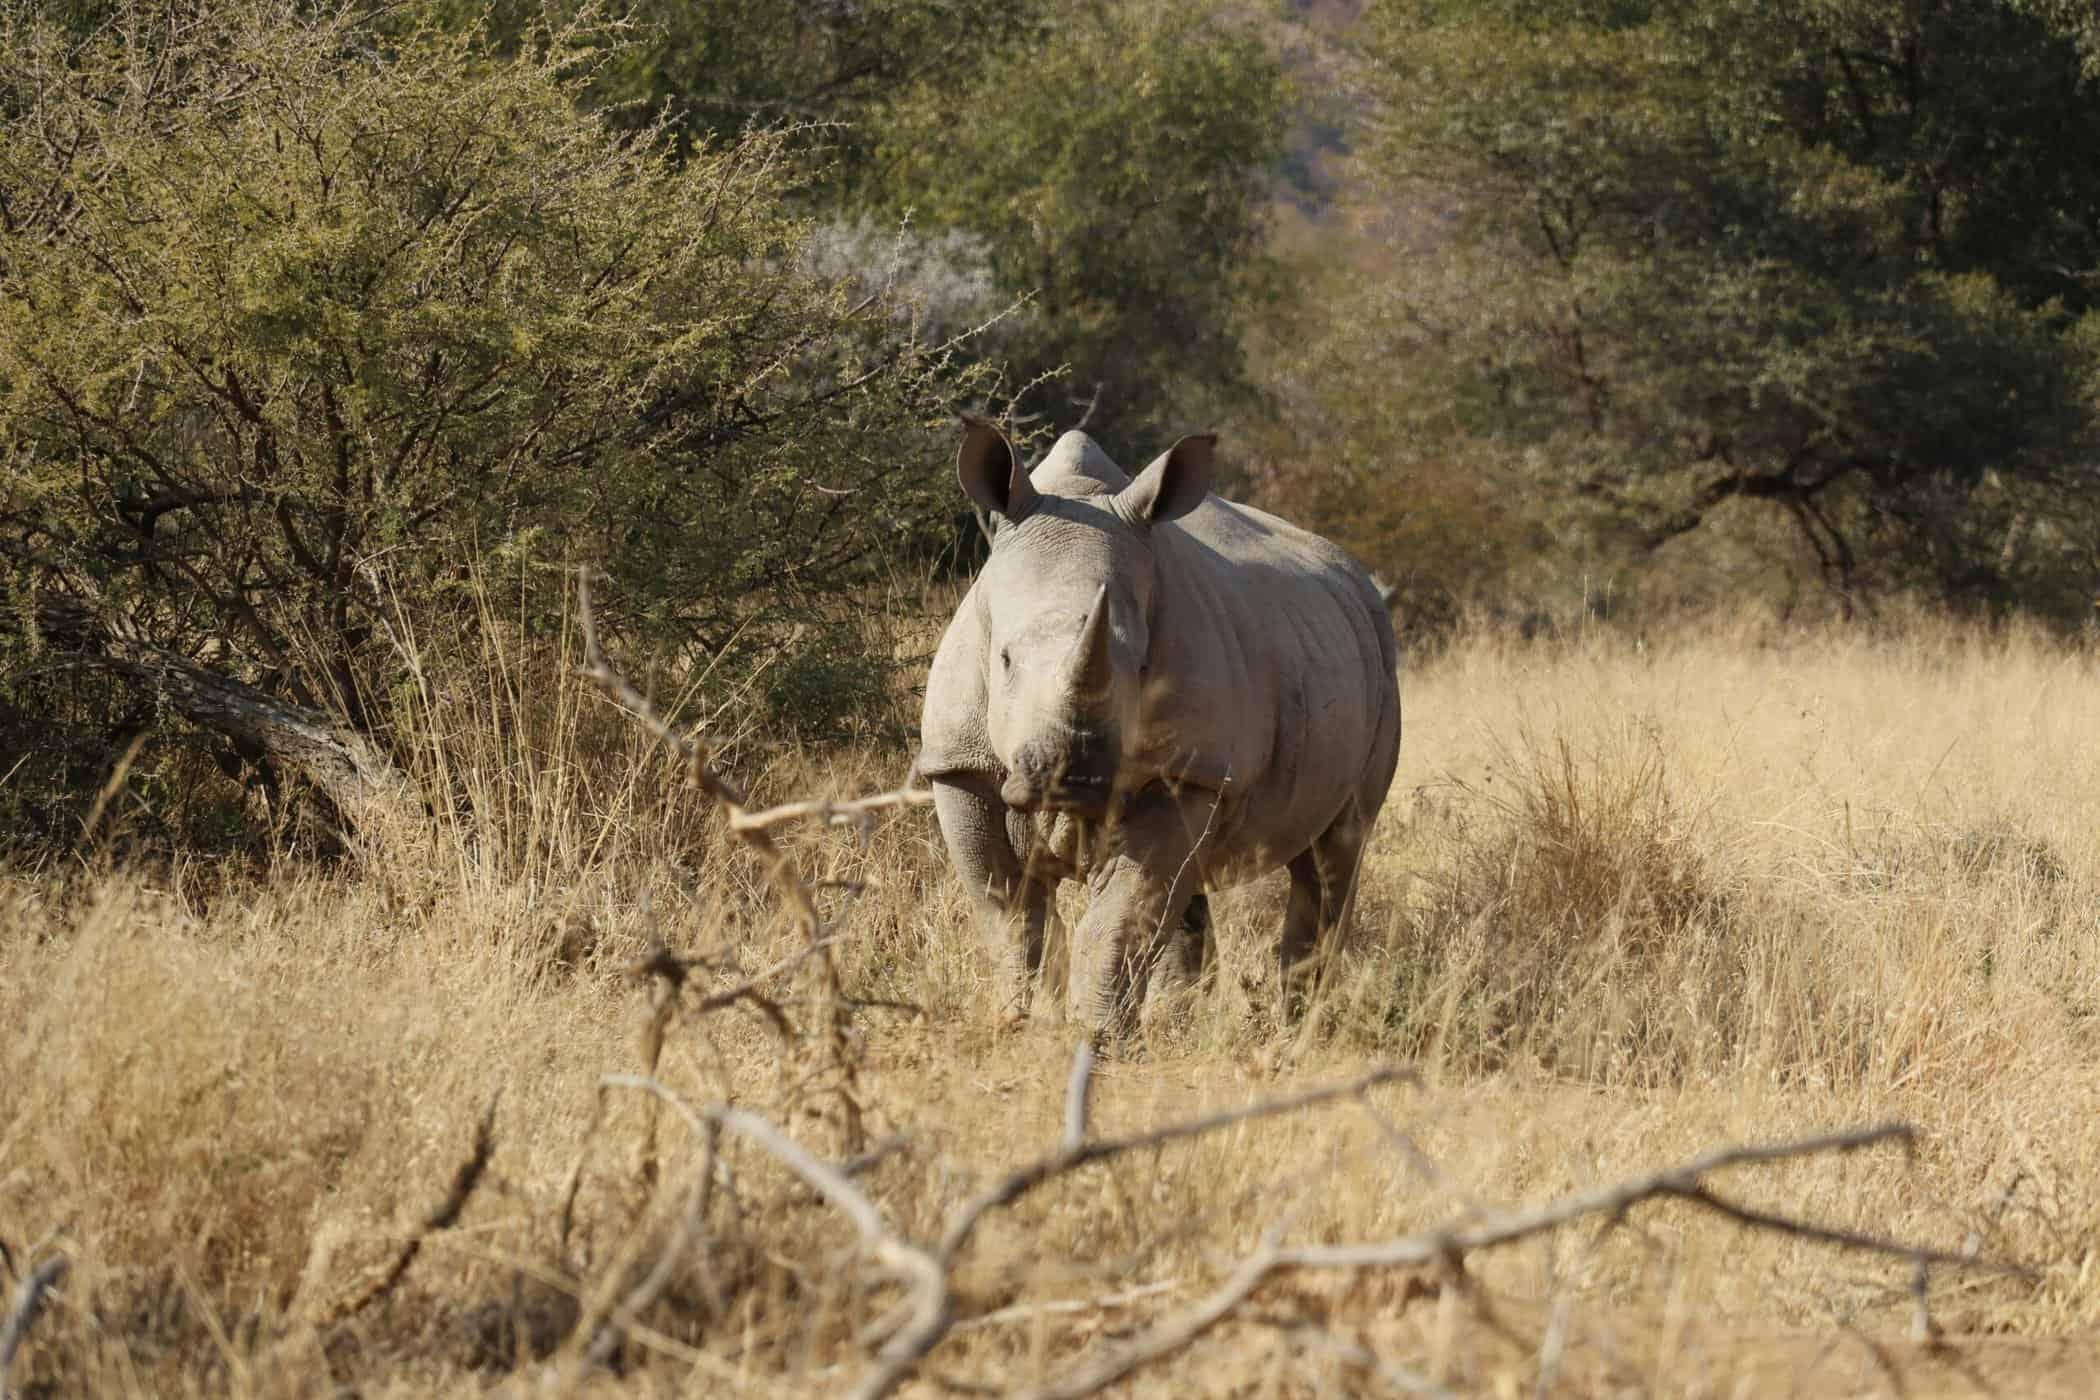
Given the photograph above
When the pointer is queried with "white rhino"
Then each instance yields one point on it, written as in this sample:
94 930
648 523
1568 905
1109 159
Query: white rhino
1157 692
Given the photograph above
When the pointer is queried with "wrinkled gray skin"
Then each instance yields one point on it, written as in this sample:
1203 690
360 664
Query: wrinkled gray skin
1157 692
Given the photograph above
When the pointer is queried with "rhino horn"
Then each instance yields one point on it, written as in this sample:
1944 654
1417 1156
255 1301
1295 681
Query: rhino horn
1092 675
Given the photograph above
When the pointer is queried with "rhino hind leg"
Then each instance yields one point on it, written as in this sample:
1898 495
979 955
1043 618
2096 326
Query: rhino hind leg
1323 891
1013 905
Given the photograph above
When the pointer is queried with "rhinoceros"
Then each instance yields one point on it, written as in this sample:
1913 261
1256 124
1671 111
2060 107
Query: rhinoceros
1157 692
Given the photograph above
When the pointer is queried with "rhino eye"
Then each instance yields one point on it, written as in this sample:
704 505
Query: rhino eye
1006 659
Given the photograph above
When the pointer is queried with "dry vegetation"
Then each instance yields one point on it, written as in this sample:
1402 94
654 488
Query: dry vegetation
1629 902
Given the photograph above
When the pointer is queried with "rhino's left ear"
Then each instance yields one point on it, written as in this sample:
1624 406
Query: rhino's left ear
991 475
1175 483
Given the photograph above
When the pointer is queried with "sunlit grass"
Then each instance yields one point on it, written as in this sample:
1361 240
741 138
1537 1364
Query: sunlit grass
1628 900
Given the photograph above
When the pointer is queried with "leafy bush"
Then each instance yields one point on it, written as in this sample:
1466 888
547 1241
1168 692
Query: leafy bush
304 313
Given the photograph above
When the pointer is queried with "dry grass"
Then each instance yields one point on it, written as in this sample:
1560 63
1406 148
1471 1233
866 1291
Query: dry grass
1627 902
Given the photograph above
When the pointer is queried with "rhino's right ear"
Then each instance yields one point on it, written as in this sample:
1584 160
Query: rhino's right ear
991 475
1173 485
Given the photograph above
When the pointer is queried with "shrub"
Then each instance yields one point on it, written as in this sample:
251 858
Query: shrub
1574 918
305 313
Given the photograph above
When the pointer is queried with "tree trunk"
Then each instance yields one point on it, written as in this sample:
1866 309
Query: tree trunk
378 805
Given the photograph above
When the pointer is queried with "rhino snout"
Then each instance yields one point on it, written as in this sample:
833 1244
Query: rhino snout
1079 779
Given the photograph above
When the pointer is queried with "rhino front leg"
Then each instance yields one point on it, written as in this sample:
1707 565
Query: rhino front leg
1012 905
1177 962
1135 936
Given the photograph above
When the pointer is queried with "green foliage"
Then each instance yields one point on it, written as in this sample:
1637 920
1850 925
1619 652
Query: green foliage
1112 159
304 312
1823 255
723 66
1116 166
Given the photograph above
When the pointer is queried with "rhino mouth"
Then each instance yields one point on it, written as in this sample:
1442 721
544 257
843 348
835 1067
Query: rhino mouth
1084 795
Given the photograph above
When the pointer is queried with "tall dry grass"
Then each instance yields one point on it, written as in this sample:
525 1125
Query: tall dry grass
1628 899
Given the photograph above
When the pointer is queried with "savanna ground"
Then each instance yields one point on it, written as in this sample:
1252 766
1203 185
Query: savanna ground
1630 900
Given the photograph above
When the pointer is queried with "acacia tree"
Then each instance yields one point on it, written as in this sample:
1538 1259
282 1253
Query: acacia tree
1113 161
305 313
1822 254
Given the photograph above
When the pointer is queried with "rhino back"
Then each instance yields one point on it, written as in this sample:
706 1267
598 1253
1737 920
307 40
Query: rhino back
1277 668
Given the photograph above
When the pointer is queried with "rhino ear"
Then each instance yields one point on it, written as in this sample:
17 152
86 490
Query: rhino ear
1175 483
991 475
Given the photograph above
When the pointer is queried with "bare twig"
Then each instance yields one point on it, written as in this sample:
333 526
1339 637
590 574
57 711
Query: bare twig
28 1304
854 813
1061 1306
1077 1086
443 1217
930 1314
1682 1182
1071 1156
1168 1337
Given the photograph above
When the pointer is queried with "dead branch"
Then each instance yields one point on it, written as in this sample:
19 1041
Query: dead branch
27 1306
925 1315
1451 1245
930 1312
1072 1155
375 799
1682 1182
447 1213
857 812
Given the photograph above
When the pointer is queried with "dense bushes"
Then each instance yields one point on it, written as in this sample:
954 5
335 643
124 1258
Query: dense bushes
312 322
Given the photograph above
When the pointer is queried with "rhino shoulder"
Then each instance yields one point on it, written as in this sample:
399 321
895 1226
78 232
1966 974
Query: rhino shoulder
953 737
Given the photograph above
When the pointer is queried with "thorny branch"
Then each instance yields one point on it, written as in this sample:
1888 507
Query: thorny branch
755 829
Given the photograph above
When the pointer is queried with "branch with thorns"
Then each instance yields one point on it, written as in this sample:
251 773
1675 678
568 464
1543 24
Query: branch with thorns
926 1314
755 830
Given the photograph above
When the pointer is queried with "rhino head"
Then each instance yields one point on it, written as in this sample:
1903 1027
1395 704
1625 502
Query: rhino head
1069 594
